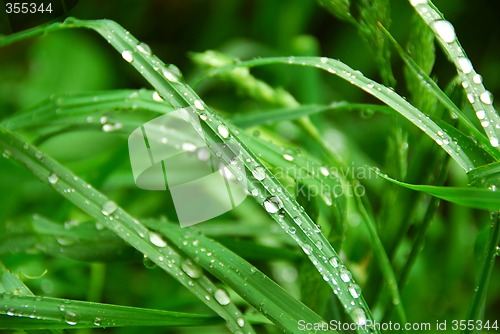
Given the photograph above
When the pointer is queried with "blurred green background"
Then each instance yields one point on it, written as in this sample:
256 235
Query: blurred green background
80 61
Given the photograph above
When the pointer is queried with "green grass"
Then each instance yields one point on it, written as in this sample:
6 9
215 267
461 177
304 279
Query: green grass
344 219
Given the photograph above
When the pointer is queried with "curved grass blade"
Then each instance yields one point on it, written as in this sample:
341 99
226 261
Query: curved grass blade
10 284
165 256
246 280
35 312
84 107
169 84
110 215
384 94
472 82
281 206
285 114
383 259
479 198
442 97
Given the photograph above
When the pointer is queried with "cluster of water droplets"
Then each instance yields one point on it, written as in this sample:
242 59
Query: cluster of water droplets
472 82
272 197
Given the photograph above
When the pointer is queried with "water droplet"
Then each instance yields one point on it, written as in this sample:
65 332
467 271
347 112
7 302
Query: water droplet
188 147
324 171
198 105
354 290
259 173
486 97
465 65
11 312
480 114
221 297
170 76
148 263
240 322
128 56
157 240
288 157
292 230
477 78
445 30
157 97
297 221
6 154
471 98
273 204
144 48
223 131
327 198
359 316
494 142
418 2
97 321
203 154
334 262
345 275
307 249
324 60
108 208
71 318
53 178
191 269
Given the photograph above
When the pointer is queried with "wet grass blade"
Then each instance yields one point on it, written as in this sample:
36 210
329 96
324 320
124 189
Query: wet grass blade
443 98
472 82
246 280
55 313
110 215
384 94
168 82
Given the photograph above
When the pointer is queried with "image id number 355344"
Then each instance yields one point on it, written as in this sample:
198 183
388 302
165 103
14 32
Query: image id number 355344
27 7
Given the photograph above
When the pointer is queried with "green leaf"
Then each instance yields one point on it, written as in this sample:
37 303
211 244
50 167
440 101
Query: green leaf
479 198
55 313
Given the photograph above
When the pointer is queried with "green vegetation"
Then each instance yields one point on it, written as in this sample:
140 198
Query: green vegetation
370 199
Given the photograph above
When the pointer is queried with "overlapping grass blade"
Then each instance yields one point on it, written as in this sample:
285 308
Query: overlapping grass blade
246 280
480 99
443 98
35 312
110 215
168 81
384 94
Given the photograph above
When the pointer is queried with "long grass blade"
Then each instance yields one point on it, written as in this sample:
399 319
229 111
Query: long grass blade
480 98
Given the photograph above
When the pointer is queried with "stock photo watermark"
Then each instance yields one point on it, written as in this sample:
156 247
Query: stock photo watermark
206 179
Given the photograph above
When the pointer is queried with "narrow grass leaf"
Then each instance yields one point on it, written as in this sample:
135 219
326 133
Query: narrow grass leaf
55 313
110 215
434 89
384 94
246 280
480 98
479 198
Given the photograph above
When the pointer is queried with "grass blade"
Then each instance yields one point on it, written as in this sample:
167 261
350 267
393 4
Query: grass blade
384 94
168 82
479 198
480 99
55 313
116 219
